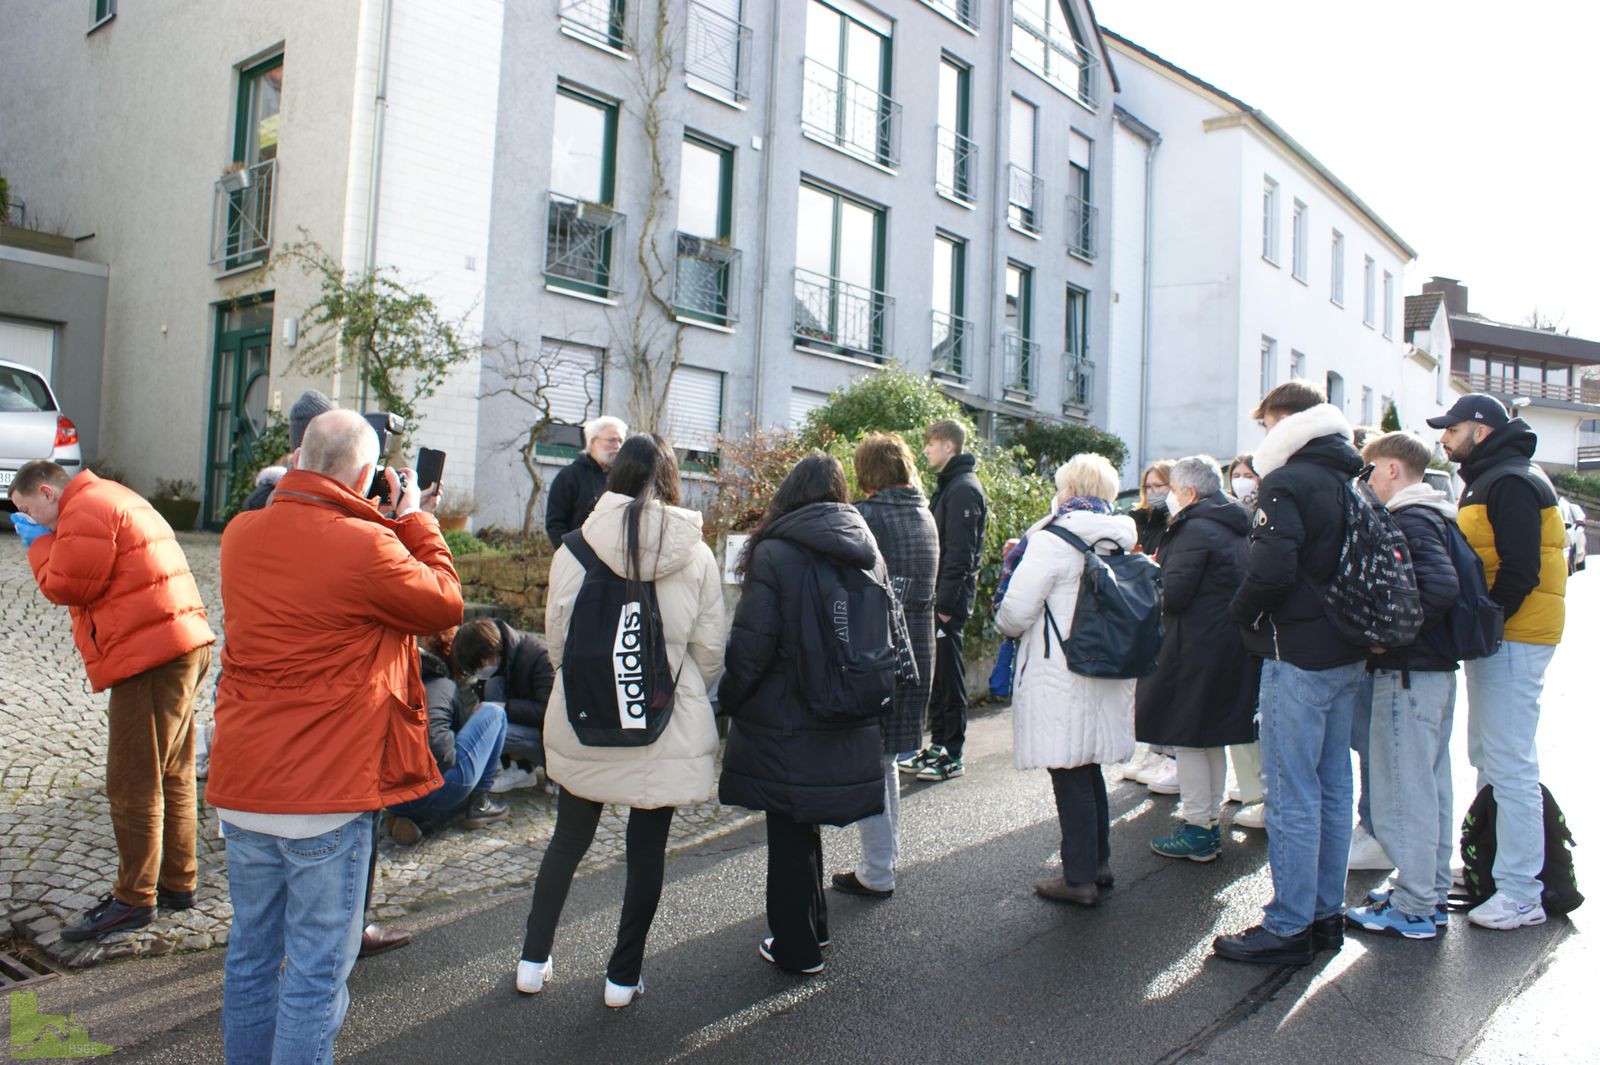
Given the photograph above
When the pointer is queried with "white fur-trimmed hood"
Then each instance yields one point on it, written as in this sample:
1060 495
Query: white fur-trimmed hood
1296 431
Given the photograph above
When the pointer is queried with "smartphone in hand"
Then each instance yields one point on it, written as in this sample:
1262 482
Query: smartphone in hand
430 468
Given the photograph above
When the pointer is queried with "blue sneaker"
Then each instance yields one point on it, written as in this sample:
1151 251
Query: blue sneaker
1384 918
1441 912
1194 842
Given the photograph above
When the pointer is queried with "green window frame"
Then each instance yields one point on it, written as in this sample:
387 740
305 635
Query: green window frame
843 301
851 112
1021 372
255 141
951 330
580 242
104 11
706 271
595 21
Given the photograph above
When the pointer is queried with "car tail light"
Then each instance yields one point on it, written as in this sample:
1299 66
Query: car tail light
66 432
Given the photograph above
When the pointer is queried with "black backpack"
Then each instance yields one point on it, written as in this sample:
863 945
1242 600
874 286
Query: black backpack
848 661
1561 894
1372 600
614 671
1116 626
1475 624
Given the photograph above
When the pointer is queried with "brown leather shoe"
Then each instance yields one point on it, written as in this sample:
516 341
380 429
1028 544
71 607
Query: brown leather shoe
376 939
1060 889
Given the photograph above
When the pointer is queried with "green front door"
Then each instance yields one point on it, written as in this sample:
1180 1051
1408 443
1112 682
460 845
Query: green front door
239 383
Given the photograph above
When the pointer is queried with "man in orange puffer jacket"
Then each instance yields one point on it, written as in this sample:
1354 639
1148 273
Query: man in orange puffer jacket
104 553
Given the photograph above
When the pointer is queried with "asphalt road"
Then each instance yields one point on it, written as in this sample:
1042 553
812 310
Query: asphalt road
964 963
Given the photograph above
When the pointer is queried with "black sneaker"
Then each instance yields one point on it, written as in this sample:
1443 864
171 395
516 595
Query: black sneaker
173 901
1327 933
915 763
484 810
942 768
111 915
1264 948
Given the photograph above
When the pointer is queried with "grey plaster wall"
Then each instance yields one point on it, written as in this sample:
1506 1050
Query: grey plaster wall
70 295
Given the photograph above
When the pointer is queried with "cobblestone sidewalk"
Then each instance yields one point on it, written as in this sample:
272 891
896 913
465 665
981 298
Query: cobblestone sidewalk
57 854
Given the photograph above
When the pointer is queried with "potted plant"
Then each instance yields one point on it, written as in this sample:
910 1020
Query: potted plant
176 501
235 177
454 511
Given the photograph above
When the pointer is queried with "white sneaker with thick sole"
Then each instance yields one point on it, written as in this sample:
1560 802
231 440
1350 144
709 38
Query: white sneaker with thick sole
618 996
1366 852
1166 782
1504 913
515 777
1153 769
1252 816
1126 769
531 975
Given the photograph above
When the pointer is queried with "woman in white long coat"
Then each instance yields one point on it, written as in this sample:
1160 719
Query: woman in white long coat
1063 722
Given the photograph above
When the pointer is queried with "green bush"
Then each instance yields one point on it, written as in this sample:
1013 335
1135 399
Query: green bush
263 451
892 400
1391 418
1579 484
461 542
1046 445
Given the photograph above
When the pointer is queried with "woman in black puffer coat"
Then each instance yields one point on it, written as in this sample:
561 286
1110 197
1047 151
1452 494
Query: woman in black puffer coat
802 772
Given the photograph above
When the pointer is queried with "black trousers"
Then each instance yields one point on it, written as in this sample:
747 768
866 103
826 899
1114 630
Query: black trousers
1085 821
947 704
797 912
646 851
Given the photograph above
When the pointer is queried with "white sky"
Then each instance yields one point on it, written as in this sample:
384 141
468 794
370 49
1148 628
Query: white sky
1472 128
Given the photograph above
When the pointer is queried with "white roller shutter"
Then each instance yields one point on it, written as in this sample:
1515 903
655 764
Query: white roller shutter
30 345
802 401
693 414
1078 149
1021 141
575 379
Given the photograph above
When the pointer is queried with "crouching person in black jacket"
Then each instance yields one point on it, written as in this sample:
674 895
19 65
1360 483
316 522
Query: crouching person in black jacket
514 670
780 759
466 748
1413 705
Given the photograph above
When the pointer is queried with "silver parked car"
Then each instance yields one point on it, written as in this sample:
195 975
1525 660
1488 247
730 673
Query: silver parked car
1577 525
32 426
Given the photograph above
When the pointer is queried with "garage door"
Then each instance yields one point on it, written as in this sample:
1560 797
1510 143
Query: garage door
30 344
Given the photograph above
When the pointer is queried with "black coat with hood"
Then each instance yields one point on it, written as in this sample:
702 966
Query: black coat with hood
524 679
780 758
446 712
573 494
1203 692
1295 539
1424 514
960 512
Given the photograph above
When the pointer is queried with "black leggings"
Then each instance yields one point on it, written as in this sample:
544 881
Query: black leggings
576 820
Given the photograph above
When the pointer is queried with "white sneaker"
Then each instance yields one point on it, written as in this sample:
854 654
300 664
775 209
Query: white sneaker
1125 769
516 777
1166 781
531 975
1366 852
1504 913
1153 768
1252 816
1234 796
618 996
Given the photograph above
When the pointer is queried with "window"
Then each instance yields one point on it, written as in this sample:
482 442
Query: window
1336 284
1369 291
574 392
1026 190
717 48
706 279
104 11
802 401
1269 358
1269 220
1336 390
963 11
581 226
839 303
845 103
957 155
1438 383
1388 304
593 21
1297 365
1020 350
1045 38
1368 411
241 228
1298 236
1078 380
1081 211
692 415
950 326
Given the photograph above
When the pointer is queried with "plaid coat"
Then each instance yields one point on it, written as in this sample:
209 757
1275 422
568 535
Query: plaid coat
909 542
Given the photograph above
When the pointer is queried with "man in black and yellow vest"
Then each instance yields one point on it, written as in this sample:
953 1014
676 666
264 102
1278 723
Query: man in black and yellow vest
1508 514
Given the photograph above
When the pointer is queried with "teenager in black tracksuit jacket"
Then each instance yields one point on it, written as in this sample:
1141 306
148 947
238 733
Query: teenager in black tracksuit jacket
960 512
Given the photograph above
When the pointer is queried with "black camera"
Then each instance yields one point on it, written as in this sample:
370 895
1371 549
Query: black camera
430 463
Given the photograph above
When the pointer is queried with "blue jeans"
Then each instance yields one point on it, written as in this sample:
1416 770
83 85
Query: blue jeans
297 922
1502 719
1305 760
524 743
478 747
1361 743
1411 796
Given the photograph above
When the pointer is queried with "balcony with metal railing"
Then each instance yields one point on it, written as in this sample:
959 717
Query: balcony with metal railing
1052 53
706 280
849 115
950 344
241 215
580 242
1083 220
1077 392
962 11
1021 358
595 21
955 165
1586 392
841 317
717 52
1025 200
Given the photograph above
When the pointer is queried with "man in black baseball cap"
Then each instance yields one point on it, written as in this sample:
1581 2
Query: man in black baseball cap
1508 514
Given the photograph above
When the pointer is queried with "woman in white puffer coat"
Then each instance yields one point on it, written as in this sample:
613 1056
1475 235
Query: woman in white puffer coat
1064 722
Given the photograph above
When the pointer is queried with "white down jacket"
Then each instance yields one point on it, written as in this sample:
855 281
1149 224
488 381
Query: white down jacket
676 769
1060 719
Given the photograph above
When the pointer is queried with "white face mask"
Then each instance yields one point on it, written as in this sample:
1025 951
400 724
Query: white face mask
1244 488
487 671
1175 504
